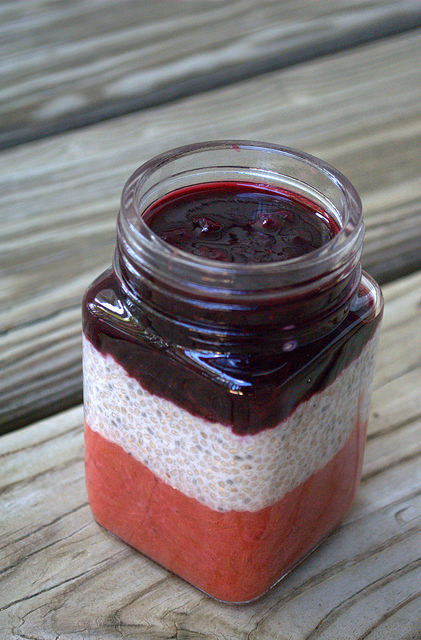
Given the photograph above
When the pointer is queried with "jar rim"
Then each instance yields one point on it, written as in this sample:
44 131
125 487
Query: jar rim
142 241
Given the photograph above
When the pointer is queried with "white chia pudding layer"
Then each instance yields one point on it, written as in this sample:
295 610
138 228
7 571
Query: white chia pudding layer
206 460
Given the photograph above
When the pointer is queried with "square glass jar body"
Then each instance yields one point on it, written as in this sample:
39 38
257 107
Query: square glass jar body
225 455
179 466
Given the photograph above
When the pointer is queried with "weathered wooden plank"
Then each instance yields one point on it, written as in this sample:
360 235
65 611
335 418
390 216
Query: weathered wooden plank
362 584
70 64
361 111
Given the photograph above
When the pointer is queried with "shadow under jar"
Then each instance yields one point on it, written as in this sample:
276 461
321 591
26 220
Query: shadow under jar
227 396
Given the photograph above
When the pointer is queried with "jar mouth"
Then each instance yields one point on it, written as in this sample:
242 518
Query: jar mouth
243 160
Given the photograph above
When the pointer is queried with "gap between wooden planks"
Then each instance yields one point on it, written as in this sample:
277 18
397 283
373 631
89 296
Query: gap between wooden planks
360 110
61 575
66 65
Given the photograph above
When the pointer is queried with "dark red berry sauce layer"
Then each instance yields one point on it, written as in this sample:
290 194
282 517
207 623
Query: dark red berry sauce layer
240 222
258 382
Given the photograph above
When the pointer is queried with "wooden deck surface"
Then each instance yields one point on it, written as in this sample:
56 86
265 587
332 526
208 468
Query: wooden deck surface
89 91
71 63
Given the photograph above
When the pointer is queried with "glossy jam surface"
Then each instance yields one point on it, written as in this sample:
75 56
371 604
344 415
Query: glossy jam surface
240 222
255 383
250 388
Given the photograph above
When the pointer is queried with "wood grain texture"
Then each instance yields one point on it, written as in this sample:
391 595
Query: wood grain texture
59 197
67 64
62 576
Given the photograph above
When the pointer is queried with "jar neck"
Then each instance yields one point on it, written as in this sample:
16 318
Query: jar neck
203 303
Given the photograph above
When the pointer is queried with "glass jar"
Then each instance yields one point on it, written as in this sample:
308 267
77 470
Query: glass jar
226 404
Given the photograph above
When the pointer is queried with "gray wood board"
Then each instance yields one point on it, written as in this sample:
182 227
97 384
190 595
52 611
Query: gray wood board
67 64
59 197
63 576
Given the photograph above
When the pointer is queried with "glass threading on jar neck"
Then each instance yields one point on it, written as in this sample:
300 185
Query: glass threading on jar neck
193 299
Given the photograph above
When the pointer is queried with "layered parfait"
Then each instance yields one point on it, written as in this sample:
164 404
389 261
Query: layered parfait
227 462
